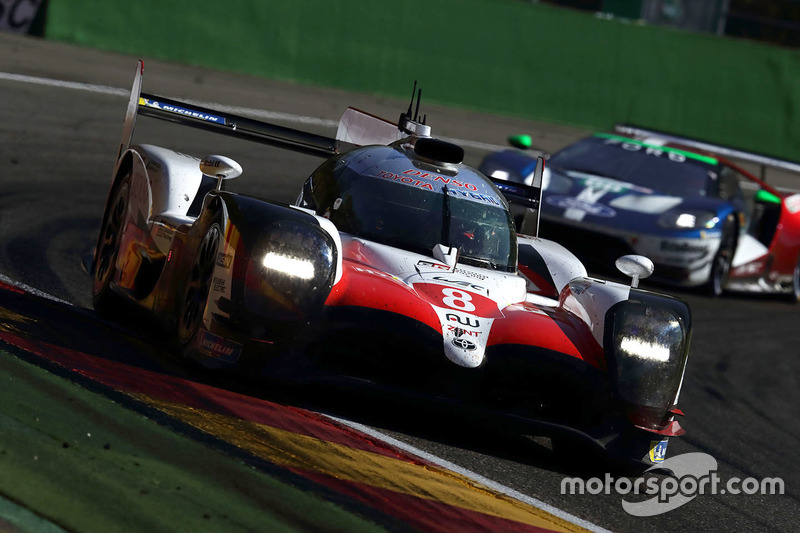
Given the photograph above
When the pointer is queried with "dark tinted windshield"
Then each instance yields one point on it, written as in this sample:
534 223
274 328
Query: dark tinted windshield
416 219
669 172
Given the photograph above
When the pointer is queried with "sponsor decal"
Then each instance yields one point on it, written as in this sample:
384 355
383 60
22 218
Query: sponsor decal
218 347
460 282
164 232
225 260
460 332
463 320
666 152
683 247
218 284
658 450
470 274
464 344
437 266
426 180
181 111
571 202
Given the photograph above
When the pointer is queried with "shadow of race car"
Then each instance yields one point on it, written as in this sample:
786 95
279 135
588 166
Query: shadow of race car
703 220
398 269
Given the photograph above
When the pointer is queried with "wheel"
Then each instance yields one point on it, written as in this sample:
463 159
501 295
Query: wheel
794 295
108 247
198 285
721 265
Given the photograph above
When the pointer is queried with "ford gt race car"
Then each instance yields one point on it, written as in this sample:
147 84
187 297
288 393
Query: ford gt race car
703 220
398 268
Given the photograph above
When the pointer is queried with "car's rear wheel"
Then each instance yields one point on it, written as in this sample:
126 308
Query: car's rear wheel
794 294
108 244
721 265
198 284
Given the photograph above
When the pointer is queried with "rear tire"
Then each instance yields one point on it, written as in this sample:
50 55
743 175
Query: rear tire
197 288
721 265
794 295
108 242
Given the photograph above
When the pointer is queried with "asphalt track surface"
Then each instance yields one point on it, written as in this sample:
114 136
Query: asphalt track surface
741 392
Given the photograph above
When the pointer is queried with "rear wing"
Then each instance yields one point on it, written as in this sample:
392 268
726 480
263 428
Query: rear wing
196 116
762 160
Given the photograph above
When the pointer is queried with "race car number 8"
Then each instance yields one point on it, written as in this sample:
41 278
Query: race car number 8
458 300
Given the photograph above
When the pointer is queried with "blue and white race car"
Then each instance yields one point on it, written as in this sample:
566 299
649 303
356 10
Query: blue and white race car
702 219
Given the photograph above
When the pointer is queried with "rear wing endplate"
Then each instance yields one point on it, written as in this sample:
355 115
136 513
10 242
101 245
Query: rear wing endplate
190 114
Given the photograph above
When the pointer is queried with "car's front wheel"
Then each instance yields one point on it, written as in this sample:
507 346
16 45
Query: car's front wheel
108 245
198 284
721 265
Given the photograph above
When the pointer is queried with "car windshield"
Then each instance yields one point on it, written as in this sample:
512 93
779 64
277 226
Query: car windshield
417 219
663 170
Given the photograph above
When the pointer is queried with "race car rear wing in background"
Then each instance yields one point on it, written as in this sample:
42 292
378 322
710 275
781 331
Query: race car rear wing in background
762 160
220 122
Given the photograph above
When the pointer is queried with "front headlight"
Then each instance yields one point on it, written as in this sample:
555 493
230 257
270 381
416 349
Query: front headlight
688 219
291 269
648 347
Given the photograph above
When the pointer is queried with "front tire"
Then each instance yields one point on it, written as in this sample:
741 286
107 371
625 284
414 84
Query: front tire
721 265
108 244
197 288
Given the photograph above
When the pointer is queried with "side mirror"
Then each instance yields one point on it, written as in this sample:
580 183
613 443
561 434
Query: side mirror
635 266
220 167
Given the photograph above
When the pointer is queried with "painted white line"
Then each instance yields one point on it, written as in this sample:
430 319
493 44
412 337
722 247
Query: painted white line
502 489
262 114
8 281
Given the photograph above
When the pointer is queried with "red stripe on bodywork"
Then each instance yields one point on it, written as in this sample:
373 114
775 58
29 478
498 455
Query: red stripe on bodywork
528 325
364 286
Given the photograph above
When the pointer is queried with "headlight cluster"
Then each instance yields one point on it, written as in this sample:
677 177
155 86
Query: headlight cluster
688 219
648 351
291 269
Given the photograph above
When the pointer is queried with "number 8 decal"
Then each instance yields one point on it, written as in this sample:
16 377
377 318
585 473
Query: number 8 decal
458 300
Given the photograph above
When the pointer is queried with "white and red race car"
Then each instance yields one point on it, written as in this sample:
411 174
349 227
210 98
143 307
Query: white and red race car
398 267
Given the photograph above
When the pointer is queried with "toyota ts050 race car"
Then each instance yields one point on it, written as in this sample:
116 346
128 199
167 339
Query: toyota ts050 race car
702 219
398 268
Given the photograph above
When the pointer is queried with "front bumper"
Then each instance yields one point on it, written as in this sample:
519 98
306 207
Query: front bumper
679 261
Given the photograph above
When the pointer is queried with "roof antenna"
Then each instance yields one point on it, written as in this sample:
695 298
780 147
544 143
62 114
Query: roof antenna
412 126
411 103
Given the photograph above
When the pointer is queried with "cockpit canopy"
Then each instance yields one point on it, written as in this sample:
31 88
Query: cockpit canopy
385 195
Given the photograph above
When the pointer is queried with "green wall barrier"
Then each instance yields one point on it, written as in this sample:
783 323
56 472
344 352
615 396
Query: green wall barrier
501 56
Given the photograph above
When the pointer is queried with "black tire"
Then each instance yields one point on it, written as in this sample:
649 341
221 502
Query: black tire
197 288
721 265
794 295
103 299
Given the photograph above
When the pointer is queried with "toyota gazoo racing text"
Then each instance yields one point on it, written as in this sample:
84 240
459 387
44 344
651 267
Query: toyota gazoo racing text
398 268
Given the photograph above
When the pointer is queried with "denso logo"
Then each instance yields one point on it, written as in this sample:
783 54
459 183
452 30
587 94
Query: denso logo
570 202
